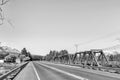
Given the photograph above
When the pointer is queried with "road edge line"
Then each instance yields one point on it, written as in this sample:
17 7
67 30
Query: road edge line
38 77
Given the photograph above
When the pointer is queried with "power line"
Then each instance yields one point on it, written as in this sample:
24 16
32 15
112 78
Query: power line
99 38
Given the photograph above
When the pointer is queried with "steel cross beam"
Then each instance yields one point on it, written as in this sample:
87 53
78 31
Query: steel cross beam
90 58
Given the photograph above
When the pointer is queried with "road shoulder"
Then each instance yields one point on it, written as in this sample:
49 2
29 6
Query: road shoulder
27 73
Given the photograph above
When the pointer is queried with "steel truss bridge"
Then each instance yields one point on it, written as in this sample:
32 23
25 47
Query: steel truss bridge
94 57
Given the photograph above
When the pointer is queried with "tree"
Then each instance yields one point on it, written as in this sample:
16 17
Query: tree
111 57
3 55
55 54
2 17
21 57
24 52
63 52
10 58
29 55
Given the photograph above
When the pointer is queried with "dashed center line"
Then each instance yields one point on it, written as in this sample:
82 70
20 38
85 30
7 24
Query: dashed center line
36 72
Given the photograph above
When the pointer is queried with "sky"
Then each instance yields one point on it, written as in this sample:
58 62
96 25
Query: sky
44 25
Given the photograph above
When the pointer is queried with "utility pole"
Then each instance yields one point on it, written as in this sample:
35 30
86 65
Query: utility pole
76 46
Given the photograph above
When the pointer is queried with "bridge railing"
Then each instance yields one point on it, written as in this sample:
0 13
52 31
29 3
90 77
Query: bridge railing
101 68
12 73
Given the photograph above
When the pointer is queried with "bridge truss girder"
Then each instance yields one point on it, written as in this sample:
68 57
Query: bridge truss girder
90 58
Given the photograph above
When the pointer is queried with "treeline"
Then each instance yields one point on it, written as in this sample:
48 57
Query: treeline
37 57
23 56
27 56
2 56
54 53
114 57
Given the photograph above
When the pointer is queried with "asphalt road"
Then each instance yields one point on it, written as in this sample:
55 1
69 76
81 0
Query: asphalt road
50 71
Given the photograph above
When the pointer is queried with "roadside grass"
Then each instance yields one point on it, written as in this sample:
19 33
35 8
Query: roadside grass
5 67
113 64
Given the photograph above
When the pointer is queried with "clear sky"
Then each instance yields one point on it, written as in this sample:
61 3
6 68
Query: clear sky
44 25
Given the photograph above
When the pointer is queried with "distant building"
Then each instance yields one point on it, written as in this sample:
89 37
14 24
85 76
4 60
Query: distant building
18 60
2 61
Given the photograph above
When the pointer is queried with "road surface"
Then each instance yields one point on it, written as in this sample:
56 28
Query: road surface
48 71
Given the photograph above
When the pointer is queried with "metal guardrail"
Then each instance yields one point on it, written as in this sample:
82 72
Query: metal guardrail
101 68
15 71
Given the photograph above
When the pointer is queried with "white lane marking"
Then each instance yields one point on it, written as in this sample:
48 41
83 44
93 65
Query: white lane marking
71 66
36 72
69 74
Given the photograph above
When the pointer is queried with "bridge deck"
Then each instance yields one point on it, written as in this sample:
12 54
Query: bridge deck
51 71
